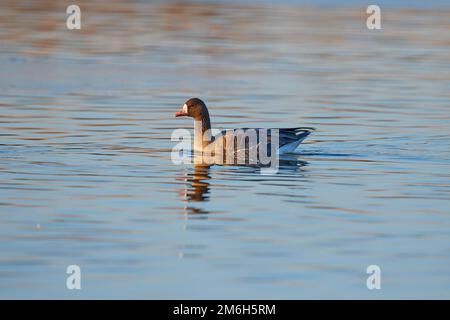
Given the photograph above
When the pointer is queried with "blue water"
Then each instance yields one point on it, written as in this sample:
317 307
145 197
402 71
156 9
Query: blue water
86 176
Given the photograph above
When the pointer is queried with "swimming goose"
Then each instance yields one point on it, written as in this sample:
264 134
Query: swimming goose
288 138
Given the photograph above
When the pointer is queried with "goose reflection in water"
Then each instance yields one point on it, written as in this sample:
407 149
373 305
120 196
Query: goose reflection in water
196 188
197 185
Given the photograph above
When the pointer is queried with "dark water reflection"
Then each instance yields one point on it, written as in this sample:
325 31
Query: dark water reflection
86 175
197 187
197 181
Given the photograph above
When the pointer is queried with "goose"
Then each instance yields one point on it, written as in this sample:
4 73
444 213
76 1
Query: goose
288 138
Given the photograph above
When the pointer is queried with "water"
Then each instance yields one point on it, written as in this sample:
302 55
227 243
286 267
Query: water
87 179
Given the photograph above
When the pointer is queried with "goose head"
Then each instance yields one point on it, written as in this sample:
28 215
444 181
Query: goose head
194 108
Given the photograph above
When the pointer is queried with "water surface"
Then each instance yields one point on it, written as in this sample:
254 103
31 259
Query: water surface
86 176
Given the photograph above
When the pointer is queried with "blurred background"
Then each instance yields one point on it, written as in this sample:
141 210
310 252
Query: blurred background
86 176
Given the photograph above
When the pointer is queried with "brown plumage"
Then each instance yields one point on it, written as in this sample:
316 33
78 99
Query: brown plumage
288 138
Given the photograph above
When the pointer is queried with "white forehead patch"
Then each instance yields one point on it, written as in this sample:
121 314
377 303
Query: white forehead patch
185 108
